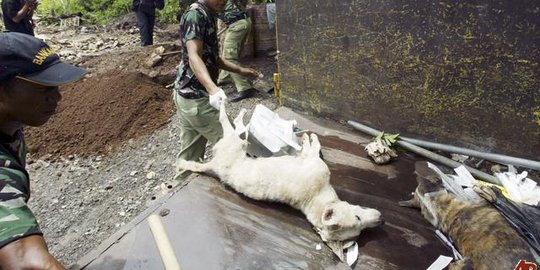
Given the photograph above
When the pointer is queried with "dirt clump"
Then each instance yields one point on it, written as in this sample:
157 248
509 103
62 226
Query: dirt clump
99 113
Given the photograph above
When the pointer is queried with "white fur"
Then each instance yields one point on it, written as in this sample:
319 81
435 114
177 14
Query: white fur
302 181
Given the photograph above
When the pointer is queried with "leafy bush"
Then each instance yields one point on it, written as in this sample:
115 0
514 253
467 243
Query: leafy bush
58 7
103 11
172 9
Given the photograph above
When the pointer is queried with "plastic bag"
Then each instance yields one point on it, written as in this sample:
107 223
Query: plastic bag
524 218
269 132
520 188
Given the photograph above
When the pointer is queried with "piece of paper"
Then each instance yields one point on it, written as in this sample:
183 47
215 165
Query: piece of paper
441 263
352 254
271 131
465 178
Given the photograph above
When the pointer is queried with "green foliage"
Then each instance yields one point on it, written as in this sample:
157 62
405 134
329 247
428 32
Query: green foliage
96 11
103 11
172 10
387 138
57 7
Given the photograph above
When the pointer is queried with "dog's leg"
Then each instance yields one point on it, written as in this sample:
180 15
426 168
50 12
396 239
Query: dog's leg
464 264
247 132
412 203
305 145
315 148
224 120
239 126
193 166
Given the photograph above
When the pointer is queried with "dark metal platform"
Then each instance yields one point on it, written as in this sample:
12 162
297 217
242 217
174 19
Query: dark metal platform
212 227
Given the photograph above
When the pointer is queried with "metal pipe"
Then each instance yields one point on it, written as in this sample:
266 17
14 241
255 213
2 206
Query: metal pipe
503 159
426 153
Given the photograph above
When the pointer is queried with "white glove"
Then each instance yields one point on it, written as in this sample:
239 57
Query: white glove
217 99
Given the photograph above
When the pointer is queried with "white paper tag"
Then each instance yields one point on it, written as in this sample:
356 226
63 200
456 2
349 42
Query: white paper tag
440 263
465 178
352 254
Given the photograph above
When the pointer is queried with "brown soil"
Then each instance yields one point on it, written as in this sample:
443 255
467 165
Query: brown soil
97 114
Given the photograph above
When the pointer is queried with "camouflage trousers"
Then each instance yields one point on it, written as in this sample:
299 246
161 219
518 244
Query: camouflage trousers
235 37
199 124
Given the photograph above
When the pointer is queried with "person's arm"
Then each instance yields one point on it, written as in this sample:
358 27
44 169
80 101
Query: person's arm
27 8
29 252
195 51
232 67
31 15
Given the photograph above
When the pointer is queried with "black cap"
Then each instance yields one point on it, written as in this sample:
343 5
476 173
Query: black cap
29 58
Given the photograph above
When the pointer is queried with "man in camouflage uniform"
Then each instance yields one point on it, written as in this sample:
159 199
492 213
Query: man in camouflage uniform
30 73
238 26
196 95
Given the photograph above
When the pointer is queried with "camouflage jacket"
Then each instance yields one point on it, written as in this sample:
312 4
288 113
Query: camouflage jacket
16 219
198 23
233 12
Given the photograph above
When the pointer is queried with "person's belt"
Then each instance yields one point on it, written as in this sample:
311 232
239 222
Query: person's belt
191 94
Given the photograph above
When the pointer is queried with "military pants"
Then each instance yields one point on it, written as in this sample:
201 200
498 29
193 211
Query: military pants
146 22
235 37
199 124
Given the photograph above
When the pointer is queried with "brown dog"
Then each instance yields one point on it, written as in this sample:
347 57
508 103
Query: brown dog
479 231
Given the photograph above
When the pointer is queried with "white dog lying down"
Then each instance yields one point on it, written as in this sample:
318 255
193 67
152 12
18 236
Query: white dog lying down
302 181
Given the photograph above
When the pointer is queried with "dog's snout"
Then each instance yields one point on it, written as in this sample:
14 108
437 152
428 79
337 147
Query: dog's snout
381 221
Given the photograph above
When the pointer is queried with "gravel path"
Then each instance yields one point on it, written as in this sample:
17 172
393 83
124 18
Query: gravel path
81 201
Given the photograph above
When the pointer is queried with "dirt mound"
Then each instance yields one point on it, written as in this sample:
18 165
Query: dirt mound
99 113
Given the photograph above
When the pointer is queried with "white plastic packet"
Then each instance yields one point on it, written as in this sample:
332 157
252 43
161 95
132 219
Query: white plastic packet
271 131
519 187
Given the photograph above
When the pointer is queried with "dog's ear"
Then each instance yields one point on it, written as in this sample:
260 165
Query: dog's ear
329 218
428 184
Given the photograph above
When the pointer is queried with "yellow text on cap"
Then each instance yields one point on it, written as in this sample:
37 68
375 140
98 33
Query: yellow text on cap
42 55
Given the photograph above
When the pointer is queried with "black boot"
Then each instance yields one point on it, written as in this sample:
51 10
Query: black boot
242 95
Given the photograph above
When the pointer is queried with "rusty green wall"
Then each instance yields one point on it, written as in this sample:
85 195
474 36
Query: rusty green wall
460 72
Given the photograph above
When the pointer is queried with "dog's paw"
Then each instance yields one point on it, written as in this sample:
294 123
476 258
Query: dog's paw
182 164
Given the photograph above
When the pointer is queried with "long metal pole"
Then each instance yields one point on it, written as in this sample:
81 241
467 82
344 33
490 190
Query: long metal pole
426 153
503 159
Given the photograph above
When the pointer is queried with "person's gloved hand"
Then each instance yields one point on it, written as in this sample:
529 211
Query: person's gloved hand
217 99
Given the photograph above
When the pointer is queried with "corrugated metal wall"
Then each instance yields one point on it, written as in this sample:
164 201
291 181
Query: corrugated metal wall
460 72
